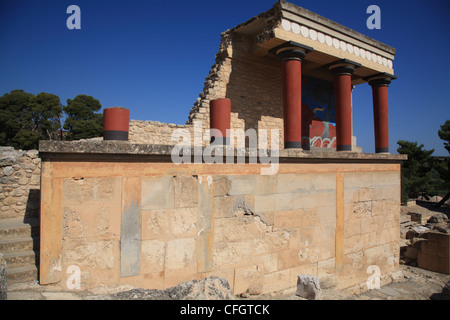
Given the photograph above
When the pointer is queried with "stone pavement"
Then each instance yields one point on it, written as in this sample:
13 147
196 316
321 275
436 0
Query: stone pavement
411 283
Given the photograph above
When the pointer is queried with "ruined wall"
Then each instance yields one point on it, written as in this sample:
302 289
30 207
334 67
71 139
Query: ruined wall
20 174
154 225
254 89
253 85
154 132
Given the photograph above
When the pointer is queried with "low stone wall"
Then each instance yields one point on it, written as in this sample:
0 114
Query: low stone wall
20 174
154 132
133 217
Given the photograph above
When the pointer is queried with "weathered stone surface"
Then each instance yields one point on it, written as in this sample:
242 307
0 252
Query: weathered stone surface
438 218
7 161
211 288
308 287
3 278
417 231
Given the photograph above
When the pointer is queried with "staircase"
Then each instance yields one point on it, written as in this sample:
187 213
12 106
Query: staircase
19 244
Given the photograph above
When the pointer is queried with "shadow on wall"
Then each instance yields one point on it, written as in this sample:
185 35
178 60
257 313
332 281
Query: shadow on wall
32 218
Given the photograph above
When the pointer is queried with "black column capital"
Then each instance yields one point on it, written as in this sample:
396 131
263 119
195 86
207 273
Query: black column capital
344 67
291 50
380 80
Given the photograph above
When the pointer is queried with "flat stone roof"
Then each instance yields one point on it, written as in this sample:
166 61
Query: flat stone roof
330 40
125 151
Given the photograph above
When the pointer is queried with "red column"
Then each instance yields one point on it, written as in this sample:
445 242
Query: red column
291 55
116 123
343 105
292 103
220 120
381 113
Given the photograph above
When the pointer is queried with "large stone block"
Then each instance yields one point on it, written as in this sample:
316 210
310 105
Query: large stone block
294 183
153 256
86 190
357 180
89 221
242 184
181 255
186 191
156 224
296 218
221 186
314 199
157 193
249 279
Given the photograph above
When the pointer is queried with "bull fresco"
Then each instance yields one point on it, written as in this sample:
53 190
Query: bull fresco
318 116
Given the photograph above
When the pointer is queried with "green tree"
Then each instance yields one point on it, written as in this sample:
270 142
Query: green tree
442 165
444 134
82 122
25 118
416 171
47 113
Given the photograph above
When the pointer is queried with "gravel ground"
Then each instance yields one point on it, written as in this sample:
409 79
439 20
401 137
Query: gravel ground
412 284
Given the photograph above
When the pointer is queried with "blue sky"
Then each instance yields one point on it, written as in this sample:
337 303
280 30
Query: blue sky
153 56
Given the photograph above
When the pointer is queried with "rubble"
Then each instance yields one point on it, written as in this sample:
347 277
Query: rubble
417 222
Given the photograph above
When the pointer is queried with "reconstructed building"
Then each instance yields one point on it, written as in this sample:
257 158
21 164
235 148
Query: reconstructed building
124 212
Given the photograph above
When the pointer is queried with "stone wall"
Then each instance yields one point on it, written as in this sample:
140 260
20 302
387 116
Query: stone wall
154 132
157 224
253 84
20 173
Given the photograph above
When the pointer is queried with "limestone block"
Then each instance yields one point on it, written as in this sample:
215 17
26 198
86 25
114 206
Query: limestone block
244 184
362 209
324 181
385 178
221 186
292 183
276 281
185 191
391 192
314 199
326 215
152 257
374 255
308 287
155 224
296 218
358 180
266 184
101 255
180 254
183 222
157 193
248 279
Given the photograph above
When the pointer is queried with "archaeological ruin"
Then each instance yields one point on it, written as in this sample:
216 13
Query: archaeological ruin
122 211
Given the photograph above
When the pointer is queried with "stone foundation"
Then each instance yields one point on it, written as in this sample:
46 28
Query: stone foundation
124 214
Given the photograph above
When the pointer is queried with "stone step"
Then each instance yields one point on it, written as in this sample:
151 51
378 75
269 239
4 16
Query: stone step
18 245
21 259
17 228
405 218
21 274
